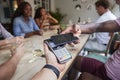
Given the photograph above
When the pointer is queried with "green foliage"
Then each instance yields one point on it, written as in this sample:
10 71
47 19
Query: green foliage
57 15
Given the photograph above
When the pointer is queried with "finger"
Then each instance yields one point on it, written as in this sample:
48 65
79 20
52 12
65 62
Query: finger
47 50
45 47
21 45
68 30
76 28
76 42
71 44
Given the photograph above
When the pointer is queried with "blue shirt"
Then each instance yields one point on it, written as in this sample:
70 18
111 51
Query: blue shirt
20 27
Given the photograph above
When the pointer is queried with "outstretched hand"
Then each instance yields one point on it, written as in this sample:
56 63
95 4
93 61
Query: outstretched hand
18 51
75 29
51 59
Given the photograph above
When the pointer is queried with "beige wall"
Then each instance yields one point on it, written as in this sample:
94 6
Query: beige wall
68 7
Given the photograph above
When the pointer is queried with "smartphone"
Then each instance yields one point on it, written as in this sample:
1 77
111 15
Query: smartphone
60 51
63 38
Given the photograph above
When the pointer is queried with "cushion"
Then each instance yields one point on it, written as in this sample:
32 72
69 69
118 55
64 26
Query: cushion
97 57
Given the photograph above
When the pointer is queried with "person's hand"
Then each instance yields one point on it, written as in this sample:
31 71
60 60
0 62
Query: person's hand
41 32
49 16
19 51
75 29
45 17
16 40
51 59
38 32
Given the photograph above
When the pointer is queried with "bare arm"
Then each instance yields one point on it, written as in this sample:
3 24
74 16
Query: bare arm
52 19
33 33
40 23
48 74
45 74
18 39
109 26
7 69
3 42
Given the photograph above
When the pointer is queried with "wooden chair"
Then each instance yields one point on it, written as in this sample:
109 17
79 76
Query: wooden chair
114 43
112 46
109 46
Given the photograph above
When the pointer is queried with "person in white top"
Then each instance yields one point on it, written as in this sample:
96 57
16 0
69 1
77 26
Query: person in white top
101 38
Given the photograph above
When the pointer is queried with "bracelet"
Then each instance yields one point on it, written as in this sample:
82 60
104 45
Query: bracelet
54 69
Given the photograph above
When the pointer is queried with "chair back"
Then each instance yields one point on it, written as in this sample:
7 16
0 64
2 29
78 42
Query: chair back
112 41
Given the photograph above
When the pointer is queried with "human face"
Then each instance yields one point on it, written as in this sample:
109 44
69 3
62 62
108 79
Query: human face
43 12
27 11
100 10
117 2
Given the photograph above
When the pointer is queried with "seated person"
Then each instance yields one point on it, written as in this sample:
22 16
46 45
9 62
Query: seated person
101 38
8 68
44 19
106 71
8 37
23 24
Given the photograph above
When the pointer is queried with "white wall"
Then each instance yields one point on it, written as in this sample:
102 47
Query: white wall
68 7
53 5
116 10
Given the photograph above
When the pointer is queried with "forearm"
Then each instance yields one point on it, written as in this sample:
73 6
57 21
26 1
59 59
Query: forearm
39 23
108 26
3 42
88 28
6 41
29 34
32 33
7 69
53 20
42 24
45 74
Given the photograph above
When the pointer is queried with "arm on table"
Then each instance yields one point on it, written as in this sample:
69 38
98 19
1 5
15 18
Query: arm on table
7 69
18 39
48 74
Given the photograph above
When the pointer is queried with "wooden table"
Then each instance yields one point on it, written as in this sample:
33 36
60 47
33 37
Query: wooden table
30 64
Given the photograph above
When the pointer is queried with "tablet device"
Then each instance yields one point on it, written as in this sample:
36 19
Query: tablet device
63 39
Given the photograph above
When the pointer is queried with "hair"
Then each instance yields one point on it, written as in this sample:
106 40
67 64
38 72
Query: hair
38 13
20 10
103 3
